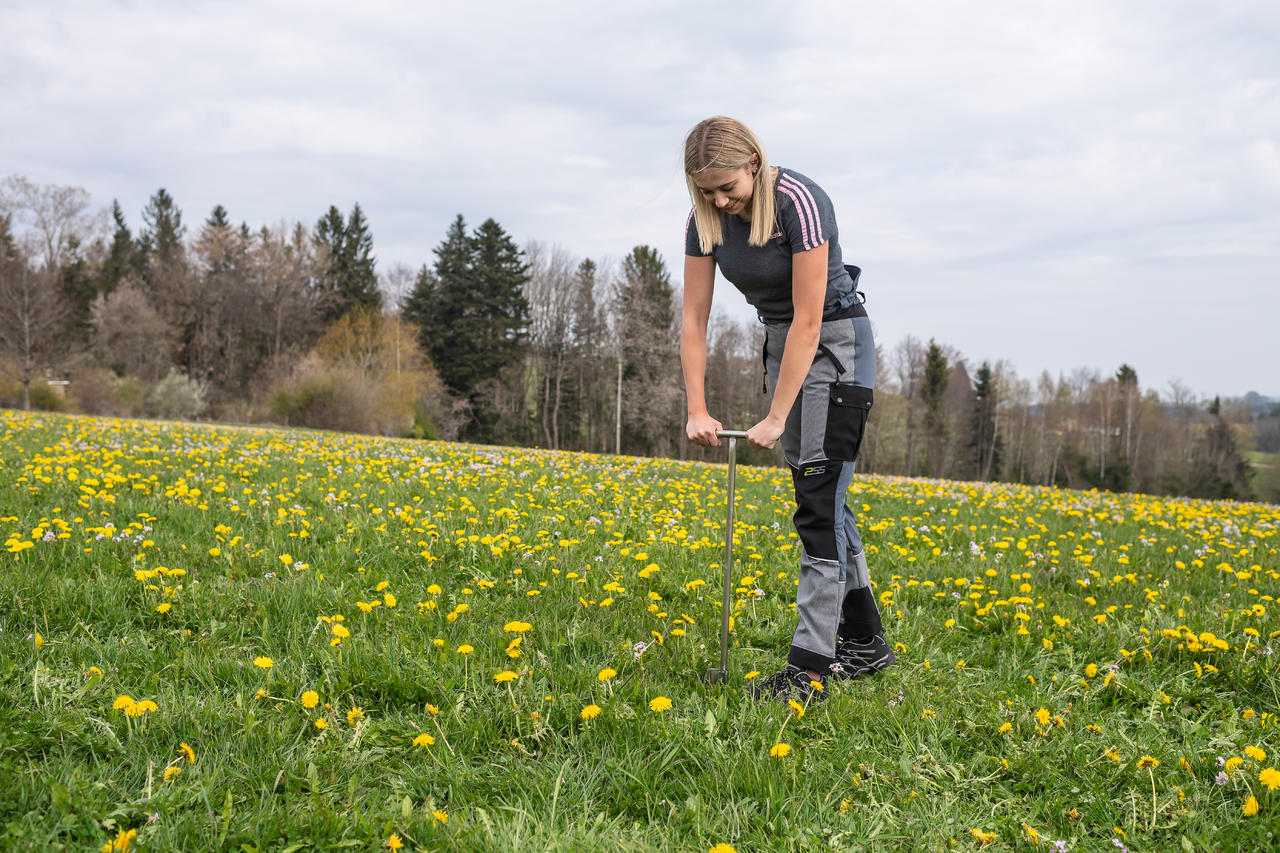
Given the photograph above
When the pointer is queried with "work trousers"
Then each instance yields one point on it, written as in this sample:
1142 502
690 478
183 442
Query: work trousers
823 434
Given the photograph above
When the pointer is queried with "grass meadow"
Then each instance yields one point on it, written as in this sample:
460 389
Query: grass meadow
253 639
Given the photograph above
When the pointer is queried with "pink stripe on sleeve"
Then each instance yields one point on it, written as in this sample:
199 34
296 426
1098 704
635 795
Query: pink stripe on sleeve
811 205
800 213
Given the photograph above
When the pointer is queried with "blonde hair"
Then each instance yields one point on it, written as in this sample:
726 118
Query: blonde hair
720 142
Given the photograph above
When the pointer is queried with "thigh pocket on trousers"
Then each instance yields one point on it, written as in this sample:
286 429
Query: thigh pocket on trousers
847 413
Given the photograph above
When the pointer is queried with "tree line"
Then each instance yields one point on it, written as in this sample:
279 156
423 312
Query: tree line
531 345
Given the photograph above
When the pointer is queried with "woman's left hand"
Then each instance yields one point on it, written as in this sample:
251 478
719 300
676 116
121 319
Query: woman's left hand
766 433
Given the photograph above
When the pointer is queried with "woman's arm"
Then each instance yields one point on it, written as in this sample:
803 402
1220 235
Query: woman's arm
699 282
808 292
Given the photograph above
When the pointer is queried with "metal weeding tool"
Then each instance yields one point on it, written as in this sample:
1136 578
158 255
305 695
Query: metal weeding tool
717 675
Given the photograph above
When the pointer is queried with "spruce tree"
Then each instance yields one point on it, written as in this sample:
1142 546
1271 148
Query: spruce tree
986 444
500 274
645 320
471 313
122 255
420 307
360 278
162 228
931 392
218 218
442 310
352 280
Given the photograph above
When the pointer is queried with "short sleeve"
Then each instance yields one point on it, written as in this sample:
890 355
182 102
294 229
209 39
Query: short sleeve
691 246
805 214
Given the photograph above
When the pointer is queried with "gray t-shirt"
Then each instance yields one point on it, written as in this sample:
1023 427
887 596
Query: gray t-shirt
806 220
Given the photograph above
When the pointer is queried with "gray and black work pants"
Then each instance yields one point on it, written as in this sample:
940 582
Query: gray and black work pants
823 434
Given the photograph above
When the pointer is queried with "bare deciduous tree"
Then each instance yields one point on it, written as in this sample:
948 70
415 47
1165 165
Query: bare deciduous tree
129 335
32 310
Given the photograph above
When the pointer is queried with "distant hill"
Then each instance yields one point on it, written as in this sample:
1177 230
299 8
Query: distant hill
1258 404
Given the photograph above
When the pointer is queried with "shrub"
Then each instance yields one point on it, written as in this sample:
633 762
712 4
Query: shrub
96 391
45 398
177 397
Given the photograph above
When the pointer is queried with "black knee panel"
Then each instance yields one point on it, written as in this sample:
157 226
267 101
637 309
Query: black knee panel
815 517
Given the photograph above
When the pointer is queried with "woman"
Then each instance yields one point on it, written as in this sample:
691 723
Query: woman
772 233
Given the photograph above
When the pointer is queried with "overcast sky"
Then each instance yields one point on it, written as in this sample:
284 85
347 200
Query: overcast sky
1060 185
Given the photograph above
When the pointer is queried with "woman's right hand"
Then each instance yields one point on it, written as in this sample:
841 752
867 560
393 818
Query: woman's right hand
701 429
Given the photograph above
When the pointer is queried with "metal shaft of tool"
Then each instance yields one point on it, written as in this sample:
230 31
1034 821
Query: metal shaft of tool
726 603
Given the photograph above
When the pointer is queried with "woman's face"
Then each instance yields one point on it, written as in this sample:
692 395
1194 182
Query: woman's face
729 189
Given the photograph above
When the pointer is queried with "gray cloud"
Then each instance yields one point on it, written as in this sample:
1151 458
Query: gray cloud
1059 185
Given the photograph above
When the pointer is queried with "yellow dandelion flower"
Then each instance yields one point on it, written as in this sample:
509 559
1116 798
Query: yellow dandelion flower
779 750
1250 807
389 600
504 676
659 704
120 842
1255 753
1005 728
1032 833
321 724
516 627
340 631
424 739
590 712
606 674
432 709
1091 671
797 707
394 842
163 607
752 674
1043 716
440 816
310 699
465 649
355 713
1270 777
1147 761
170 772
983 838
122 702
721 848
263 662
188 752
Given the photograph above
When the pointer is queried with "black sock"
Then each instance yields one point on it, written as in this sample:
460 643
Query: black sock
860 618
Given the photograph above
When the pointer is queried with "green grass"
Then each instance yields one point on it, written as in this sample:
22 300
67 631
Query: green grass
999 597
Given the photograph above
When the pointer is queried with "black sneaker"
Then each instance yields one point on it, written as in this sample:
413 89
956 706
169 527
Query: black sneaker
861 657
791 682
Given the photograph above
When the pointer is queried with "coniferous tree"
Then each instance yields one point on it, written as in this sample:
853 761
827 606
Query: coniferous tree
931 392
122 257
472 315
162 229
987 443
439 307
359 284
645 329
352 281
